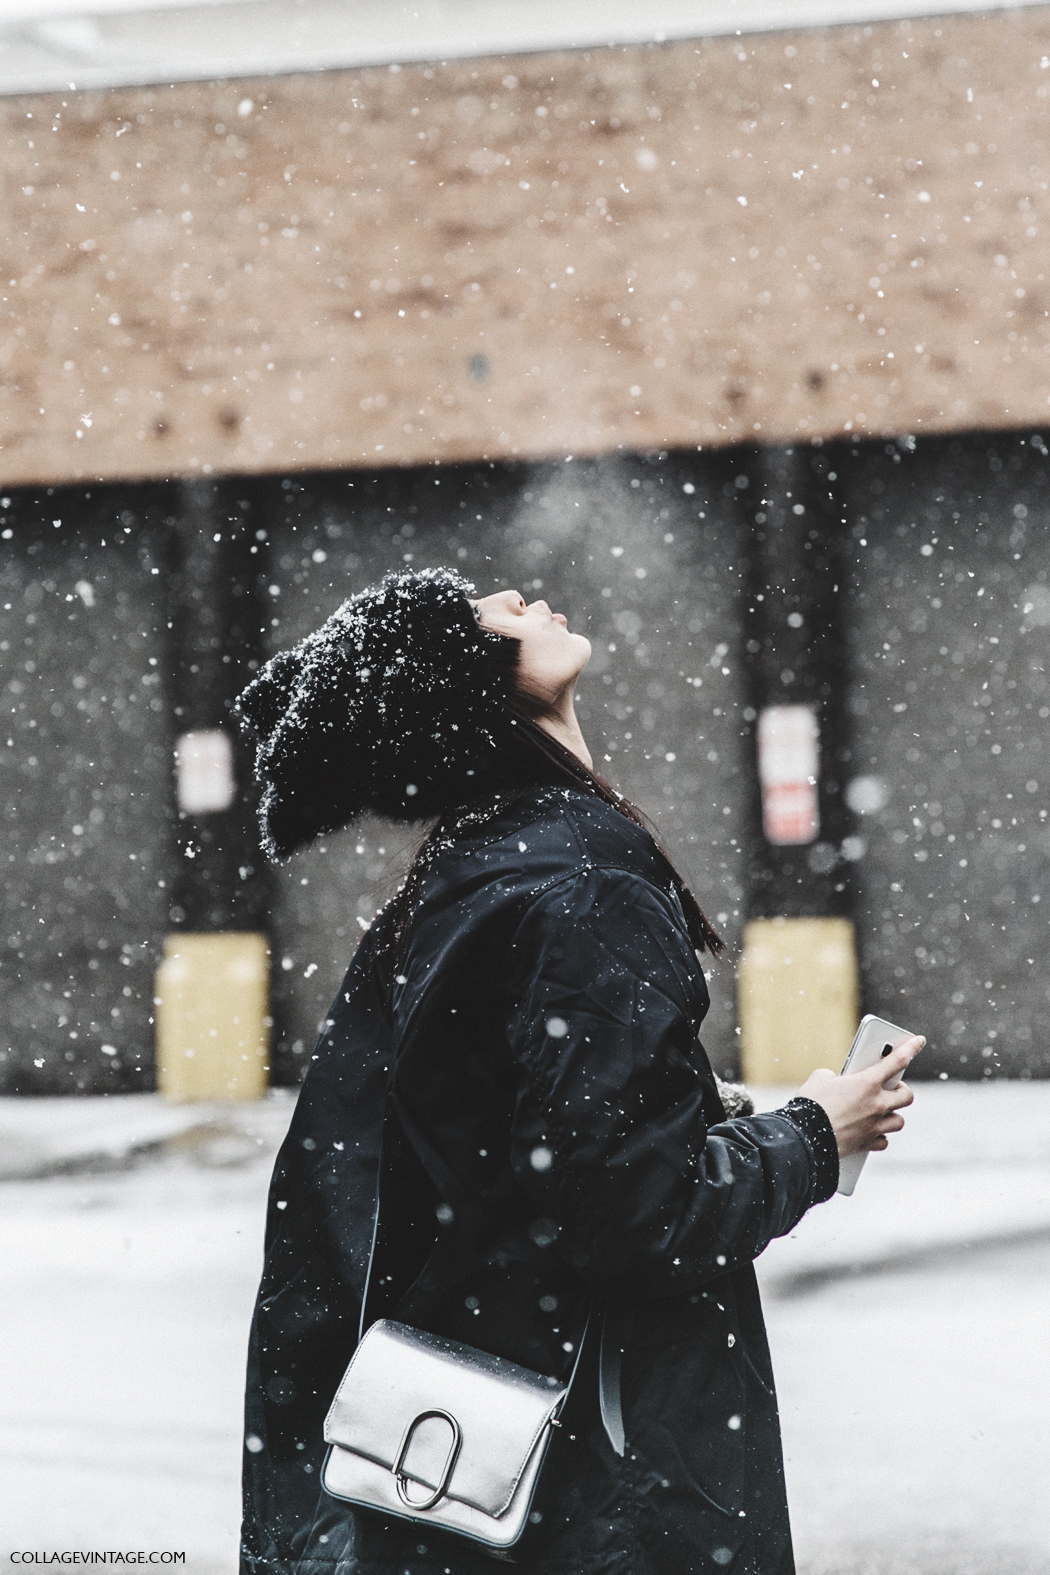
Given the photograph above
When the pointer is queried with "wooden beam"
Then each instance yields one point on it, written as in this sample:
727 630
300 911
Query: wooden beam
764 238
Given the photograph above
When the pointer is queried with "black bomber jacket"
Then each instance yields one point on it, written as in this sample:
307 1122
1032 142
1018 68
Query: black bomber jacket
541 1037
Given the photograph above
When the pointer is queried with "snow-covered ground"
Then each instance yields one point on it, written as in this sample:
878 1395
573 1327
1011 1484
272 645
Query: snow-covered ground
125 1313
972 1165
915 1393
915 1409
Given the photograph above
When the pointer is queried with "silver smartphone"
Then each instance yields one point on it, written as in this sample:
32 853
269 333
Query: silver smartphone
874 1039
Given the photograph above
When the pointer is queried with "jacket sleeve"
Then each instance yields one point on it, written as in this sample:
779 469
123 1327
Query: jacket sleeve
610 1141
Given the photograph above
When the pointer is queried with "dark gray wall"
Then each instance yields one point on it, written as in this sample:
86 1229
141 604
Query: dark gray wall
85 768
951 709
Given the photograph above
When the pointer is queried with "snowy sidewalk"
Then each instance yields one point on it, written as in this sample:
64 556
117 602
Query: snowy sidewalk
971 1166
131 1235
51 1137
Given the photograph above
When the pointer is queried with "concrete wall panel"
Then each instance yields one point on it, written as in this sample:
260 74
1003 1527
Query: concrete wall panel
85 768
951 702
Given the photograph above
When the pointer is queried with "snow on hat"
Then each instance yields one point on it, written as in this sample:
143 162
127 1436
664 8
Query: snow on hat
397 705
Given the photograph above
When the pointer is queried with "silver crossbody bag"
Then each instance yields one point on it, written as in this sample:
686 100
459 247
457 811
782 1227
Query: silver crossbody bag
427 1430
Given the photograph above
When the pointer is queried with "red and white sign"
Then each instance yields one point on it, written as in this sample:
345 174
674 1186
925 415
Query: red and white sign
788 766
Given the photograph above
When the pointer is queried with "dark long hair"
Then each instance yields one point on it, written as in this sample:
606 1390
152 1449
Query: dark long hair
536 758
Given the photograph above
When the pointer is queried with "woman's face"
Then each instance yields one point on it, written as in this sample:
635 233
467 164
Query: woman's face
551 659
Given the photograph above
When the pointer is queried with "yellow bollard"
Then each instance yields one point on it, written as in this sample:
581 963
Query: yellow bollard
211 1000
798 997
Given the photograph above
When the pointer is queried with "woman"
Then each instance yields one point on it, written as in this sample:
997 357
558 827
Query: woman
531 998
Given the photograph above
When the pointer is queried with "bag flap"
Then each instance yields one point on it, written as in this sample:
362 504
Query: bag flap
501 1408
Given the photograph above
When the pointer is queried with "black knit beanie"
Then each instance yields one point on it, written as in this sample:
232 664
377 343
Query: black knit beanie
398 705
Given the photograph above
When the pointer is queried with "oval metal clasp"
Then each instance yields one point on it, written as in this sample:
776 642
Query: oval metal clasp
399 1475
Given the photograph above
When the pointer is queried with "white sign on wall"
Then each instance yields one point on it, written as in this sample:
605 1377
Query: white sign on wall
204 772
788 767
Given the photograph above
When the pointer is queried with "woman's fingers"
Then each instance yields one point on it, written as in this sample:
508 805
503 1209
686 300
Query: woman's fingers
861 1108
897 1062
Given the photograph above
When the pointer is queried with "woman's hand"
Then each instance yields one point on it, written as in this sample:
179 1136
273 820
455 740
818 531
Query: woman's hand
861 1109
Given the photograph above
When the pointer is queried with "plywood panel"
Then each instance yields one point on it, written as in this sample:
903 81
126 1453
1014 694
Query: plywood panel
785 235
